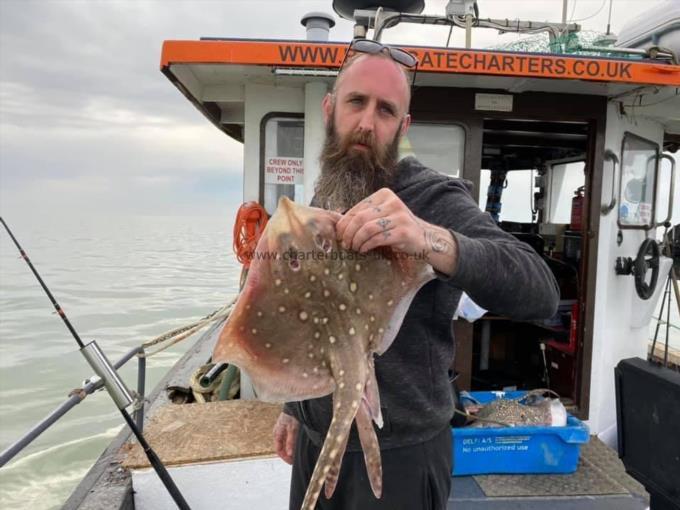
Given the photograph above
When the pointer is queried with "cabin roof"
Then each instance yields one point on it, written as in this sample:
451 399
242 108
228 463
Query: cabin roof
321 55
212 72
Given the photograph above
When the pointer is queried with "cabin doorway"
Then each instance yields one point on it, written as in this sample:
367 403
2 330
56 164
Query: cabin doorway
527 155
534 183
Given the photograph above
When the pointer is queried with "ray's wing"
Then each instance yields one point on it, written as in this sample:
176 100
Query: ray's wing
276 333
391 283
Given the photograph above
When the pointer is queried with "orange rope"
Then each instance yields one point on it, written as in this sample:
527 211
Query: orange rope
248 227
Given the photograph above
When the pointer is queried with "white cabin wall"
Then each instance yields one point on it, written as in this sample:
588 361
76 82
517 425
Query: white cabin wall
315 134
261 100
614 337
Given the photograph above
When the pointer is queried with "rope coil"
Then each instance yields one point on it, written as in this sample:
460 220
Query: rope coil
251 219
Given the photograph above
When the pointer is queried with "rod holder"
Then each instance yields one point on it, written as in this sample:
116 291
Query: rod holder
102 366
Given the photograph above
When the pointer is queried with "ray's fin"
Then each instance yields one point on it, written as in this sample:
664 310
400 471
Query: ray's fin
372 395
371 448
334 472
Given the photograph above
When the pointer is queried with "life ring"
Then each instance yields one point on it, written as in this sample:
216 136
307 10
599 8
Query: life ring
251 219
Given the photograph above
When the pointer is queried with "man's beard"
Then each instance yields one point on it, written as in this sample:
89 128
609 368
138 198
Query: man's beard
348 175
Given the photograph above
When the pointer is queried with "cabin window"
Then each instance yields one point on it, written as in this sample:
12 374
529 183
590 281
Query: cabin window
638 176
515 192
282 167
565 181
437 146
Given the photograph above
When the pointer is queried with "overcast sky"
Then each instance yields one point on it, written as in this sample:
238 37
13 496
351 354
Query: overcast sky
89 124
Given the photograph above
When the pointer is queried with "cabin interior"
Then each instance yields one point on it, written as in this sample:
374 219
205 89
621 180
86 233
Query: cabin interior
529 170
532 183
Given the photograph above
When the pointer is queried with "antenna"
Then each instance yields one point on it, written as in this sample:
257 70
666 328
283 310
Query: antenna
609 19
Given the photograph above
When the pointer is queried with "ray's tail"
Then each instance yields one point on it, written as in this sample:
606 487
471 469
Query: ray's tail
346 402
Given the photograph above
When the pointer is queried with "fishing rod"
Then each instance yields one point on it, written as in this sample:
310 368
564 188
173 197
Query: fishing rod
114 384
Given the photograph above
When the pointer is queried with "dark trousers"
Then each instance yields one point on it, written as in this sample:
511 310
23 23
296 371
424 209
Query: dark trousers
416 477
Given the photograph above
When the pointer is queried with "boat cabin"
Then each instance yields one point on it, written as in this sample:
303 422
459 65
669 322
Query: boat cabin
568 152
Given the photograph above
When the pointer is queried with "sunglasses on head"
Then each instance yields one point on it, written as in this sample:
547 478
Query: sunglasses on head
371 47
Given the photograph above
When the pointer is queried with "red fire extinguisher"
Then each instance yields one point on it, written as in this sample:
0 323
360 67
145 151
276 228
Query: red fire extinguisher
577 209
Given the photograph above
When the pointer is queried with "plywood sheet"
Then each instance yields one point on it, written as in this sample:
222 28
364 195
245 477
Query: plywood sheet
215 431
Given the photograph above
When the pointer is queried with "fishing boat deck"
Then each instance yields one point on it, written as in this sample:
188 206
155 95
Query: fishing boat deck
236 466
600 482
223 451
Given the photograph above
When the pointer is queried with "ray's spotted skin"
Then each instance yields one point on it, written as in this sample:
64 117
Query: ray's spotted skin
308 323
529 410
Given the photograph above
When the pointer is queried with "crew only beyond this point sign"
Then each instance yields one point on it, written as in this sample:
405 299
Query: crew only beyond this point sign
284 171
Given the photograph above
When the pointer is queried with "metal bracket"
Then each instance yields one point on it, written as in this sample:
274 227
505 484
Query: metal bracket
624 266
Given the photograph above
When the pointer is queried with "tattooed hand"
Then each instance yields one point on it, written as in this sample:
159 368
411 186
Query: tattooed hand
383 219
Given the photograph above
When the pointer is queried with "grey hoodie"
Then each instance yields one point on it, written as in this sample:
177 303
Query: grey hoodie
500 273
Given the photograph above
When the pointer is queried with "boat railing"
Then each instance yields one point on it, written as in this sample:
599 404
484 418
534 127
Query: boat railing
76 396
95 383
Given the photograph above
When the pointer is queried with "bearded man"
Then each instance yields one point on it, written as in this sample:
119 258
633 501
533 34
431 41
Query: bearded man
415 211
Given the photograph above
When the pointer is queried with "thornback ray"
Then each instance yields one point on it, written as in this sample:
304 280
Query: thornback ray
309 321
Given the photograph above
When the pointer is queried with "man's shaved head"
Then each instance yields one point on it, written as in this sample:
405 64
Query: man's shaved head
354 59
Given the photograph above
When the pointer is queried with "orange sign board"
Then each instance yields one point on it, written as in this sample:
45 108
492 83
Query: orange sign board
437 60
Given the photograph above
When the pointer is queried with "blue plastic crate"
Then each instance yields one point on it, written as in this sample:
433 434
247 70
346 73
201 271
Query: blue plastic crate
517 450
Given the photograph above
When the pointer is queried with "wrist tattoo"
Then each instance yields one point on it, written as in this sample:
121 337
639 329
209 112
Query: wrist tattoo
437 242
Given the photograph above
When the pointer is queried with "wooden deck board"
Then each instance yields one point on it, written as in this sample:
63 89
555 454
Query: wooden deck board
190 433
659 348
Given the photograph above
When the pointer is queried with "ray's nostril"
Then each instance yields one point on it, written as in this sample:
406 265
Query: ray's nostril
294 264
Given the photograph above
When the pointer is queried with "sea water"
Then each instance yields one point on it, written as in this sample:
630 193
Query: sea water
121 281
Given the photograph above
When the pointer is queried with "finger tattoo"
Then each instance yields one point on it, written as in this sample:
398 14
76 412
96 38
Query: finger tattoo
383 223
